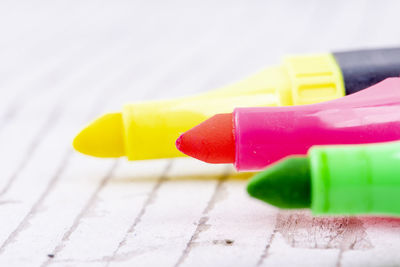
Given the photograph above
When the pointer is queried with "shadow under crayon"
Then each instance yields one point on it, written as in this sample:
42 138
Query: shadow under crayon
181 169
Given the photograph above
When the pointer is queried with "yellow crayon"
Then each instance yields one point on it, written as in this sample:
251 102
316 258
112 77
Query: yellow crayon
148 130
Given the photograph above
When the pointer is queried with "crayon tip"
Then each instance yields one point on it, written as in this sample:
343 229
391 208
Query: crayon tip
211 141
104 137
285 184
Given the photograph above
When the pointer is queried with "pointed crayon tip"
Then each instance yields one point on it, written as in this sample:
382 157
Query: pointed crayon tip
285 184
211 141
104 137
178 142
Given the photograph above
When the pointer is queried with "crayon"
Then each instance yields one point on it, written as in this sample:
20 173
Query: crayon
252 138
148 130
335 180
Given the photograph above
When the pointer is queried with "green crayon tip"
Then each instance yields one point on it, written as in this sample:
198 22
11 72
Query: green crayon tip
285 185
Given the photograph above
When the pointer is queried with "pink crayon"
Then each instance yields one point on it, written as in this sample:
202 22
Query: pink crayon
261 136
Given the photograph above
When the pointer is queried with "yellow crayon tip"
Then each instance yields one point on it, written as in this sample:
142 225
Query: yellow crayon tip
104 137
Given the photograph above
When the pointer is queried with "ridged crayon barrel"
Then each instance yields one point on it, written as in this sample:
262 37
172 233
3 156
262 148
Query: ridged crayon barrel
267 134
353 180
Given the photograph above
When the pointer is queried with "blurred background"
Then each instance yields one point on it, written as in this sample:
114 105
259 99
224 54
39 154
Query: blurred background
158 49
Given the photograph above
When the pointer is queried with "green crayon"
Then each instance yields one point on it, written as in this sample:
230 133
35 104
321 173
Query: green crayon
335 180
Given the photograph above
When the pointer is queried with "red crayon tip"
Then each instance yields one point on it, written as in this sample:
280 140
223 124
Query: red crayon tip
211 141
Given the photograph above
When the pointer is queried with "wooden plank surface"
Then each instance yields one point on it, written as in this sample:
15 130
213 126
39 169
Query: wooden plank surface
63 63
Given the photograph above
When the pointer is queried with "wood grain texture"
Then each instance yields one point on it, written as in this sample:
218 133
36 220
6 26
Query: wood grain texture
63 63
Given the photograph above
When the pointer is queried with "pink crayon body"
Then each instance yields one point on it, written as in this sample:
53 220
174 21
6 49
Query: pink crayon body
267 134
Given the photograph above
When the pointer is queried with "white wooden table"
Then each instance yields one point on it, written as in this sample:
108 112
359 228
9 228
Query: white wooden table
63 63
